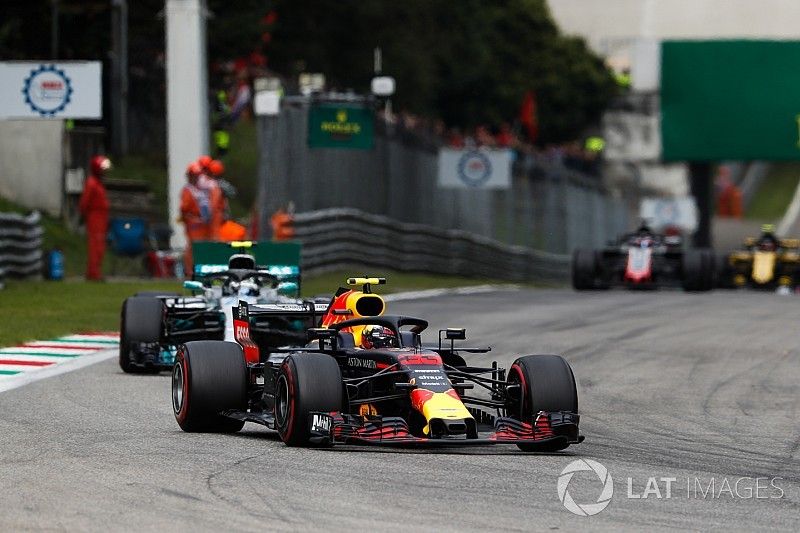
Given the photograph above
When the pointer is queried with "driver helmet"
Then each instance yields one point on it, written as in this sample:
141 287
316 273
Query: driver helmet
378 337
768 241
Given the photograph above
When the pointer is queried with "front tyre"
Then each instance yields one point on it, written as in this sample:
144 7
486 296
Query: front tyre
305 384
546 383
209 377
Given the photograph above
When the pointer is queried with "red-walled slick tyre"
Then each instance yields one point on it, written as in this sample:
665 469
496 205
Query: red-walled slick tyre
546 384
306 383
209 377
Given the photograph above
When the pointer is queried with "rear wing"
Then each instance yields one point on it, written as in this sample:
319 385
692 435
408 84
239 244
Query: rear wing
280 259
783 243
274 325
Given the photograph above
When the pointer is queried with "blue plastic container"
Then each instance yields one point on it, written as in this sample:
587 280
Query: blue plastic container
55 265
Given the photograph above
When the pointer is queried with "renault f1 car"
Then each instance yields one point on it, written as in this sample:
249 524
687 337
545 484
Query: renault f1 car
343 387
766 262
153 324
644 260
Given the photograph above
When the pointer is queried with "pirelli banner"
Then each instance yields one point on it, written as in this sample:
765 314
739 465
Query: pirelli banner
340 126
475 169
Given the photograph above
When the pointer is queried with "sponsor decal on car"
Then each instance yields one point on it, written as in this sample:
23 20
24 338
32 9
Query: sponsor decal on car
321 423
362 363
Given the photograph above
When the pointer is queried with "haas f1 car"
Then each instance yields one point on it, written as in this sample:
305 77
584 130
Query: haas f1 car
763 263
153 324
366 378
644 260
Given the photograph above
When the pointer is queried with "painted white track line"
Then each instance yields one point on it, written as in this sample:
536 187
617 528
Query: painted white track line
433 293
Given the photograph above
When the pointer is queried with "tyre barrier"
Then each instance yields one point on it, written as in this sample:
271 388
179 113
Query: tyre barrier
339 238
20 245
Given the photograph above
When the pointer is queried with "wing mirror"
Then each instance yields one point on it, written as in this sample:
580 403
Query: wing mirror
452 334
288 288
455 334
322 334
194 286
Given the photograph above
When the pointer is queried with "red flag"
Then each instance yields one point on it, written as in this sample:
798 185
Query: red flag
528 116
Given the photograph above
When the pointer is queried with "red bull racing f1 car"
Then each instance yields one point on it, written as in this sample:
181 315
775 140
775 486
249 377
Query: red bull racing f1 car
367 378
644 260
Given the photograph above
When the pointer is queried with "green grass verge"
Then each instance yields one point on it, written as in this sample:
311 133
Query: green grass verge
773 197
31 310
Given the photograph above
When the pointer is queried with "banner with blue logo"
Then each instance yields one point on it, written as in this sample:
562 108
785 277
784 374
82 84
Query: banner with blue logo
475 168
70 89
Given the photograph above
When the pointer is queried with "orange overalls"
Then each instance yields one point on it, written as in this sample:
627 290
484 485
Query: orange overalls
216 202
94 208
196 217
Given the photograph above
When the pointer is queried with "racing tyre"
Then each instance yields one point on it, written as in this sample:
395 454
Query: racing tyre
546 384
306 383
584 270
723 273
698 270
209 377
157 294
140 322
709 269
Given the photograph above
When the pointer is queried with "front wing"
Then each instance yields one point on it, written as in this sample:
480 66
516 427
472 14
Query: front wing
547 432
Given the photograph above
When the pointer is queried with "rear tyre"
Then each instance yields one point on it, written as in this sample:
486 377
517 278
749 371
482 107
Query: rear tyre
209 377
546 384
584 270
140 322
698 270
157 294
709 269
305 384
723 272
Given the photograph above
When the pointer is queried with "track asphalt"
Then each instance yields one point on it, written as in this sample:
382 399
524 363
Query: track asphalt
698 388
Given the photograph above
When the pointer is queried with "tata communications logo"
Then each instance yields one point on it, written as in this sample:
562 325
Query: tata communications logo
47 90
585 509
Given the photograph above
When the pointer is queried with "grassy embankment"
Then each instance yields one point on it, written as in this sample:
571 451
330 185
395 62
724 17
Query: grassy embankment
775 193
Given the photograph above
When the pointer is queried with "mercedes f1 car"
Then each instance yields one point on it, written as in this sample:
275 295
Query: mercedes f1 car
154 324
766 262
367 378
644 260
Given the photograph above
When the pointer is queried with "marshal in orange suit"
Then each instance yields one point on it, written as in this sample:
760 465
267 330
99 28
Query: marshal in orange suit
94 209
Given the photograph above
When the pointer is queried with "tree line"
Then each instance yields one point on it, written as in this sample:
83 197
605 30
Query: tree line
467 62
